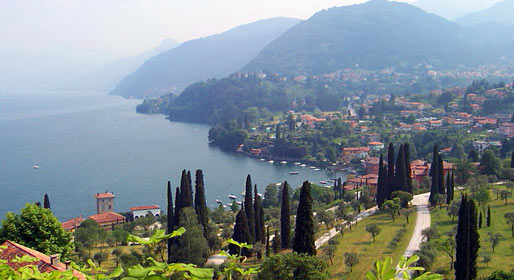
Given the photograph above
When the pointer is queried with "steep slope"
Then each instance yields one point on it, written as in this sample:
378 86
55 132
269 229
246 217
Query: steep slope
501 12
373 35
196 60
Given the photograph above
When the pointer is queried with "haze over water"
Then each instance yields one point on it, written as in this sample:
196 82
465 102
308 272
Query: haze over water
90 143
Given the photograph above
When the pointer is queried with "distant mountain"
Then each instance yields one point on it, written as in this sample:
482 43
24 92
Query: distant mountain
502 12
106 77
452 9
196 60
373 35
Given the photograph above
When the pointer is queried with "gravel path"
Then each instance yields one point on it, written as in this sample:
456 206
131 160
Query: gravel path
422 222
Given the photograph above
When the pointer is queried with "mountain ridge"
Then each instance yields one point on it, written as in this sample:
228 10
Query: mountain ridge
500 12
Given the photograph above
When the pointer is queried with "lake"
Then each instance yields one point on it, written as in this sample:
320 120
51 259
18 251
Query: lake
87 143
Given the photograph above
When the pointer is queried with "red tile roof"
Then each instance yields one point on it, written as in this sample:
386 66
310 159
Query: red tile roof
73 223
104 195
107 217
14 250
147 207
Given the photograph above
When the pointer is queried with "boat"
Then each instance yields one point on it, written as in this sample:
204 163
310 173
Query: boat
218 201
283 162
260 194
231 196
317 169
261 159
278 184
303 165
312 167
270 161
322 182
35 166
294 173
239 202
297 163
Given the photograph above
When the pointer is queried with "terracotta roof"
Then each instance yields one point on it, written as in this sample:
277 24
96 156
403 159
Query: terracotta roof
73 223
372 160
104 195
147 207
106 217
375 143
44 264
365 149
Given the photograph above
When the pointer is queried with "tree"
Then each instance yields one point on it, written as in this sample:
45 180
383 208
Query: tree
330 251
494 239
190 247
186 193
405 197
406 154
400 176
327 217
285 217
350 260
390 169
270 196
489 163
480 220
248 207
434 173
234 207
482 196
512 158
36 228
200 204
510 220
467 241
171 219
440 173
259 218
293 267
430 233
304 230
407 212
241 233
178 196
349 218
46 202
453 209
486 258
505 195
488 216
387 270
275 244
448 247
267 242
449 189
100 257
382 192
373 229
393 206
501 275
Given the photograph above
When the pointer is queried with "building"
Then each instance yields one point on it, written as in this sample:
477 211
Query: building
371 165
104 202
143 211
108 220
43 262
506 129
73 224
376 146
435 124
350 153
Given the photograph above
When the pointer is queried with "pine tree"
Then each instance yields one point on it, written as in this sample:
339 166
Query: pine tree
449 189
200 204
241 233
285 217
440 165
257 215
177 206
488 216
390 170
304 230
381 194
400 176
467 241
480 220
248 207
171 219
406 154
46 202
434 170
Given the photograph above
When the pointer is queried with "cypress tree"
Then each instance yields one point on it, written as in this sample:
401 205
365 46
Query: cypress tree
186 196
488 216
449 189
467 241
248 207
390 170
46 202
241 234
275 244
285 217
267 242
453 186
177 206
171 219
406 154
304 230
190 189
340 187
434 170
262 223
480 220
200 204
440 165
257 215
381 194
512 156
400 176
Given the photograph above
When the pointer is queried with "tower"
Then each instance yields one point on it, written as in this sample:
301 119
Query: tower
104 202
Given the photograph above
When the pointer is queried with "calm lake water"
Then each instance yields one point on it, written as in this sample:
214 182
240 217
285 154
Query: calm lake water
89 143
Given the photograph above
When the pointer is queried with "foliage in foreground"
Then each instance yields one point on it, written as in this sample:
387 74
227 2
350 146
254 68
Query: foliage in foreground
385 270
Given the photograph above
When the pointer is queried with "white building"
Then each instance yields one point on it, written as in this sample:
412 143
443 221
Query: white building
143 211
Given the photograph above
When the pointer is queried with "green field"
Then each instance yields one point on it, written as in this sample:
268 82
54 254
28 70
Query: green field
361 242
503 256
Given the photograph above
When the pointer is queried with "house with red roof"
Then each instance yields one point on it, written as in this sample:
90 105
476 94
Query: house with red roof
350 153
73 224
43 262
108 220
144 211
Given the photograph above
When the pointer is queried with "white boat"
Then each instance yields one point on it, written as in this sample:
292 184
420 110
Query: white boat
312 167
231 196
239 202
35 166
270 161
278 184
317 169
322 182
303 165
294 173
261 159
218 201
297 163
283 162
260 194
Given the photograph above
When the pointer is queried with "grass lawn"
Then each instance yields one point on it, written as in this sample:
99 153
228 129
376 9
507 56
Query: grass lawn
110 263
503 256
361 242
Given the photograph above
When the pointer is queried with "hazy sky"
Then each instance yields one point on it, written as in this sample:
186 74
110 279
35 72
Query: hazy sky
116 28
